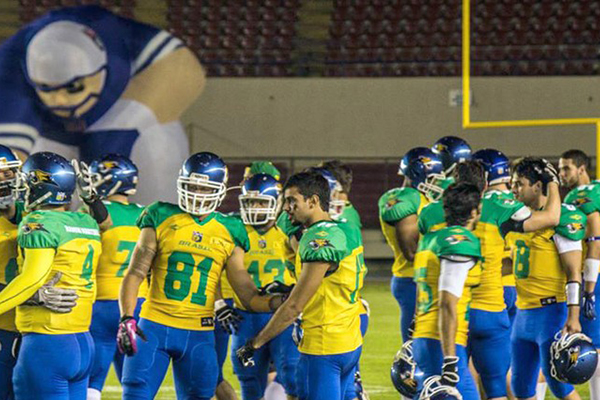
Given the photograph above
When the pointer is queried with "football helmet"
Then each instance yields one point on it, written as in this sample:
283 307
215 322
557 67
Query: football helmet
496 165
260 187
451 150
115 174
573 358
406 375
433 389
336 206
424 169
46 179
8 161
202 183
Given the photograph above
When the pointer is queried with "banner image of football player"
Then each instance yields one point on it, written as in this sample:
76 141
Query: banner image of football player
84 82
330 270
547 267
53 242
115 178
446 269
398 212
584 194
186 247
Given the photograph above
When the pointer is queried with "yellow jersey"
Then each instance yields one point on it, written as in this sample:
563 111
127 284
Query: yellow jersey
76 238
188 264
331 318
395 205
8 260
226 289
118 243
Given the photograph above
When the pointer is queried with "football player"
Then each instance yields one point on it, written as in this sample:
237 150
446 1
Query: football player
451 150
585 195
398 212
343 174
115 178
446 268
267 261
84 82
186 247
330 268
53 240
547 267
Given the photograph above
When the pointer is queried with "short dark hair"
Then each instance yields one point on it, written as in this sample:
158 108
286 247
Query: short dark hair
310 183
459 200
532 169
578 157
471 171
342 173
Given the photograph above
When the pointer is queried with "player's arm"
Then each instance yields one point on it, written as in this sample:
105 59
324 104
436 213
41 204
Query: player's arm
141 262
591 265
407 232
570 253
549 216
36 269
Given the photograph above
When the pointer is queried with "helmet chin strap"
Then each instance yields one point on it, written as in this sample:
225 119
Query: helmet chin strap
32 206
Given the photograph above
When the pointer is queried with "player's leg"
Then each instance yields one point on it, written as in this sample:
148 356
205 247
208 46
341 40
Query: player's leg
79 383
328 375
302 377
144 372
285 356
592 329
194 364
525 359
466 386
224 389
405 292
489 345
105 321
7 363
349 373
510 300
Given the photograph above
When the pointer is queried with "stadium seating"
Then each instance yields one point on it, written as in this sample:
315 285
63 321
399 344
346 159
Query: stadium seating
32 9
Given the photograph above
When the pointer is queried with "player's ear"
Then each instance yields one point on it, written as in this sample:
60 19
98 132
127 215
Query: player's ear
314 201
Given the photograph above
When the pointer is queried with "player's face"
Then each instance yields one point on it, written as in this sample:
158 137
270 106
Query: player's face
6 174
258 203
75 99
568 172
524 191
296 206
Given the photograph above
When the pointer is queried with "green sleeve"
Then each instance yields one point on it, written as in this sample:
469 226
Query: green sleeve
586 199
324 244
572 223
351 215
430 216
399 204
284 223
236 229
37 231
458 242
505 208
154 214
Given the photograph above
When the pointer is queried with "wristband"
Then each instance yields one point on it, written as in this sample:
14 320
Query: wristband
592 239
573 290
220 304
591 268
98 210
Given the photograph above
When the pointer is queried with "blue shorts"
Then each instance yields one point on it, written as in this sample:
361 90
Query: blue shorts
53 366
221 344
351 390
281 350
489 347
7 363
429 357
592 328
194 363
104 327
405 292
510 300
326 377
531 338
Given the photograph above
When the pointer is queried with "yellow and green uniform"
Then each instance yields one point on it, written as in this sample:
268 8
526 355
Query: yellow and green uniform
585 197
8 260
75 237
331 318
537 268
433 247
118 243
284 223
351 216
395 205
190 258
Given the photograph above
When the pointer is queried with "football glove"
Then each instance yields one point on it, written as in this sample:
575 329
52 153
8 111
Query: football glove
227 316
55 299
126 336
450 375
245 354
589 305
297 331
87 182
275 287
550 174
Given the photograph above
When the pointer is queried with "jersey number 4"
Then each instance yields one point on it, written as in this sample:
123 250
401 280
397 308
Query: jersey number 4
178 282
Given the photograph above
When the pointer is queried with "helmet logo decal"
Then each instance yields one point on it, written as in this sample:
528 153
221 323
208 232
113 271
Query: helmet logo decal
106 166
38 177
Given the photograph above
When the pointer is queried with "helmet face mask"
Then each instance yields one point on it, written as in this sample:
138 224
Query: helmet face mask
114 174
424 171
260 200
433 389
9 170
198 195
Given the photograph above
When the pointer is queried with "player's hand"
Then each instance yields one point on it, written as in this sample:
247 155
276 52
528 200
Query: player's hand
411 328
245 354
126 336
55 299
589 305
450 375
275 287
571 326
297 331
227 316
366 306
550 174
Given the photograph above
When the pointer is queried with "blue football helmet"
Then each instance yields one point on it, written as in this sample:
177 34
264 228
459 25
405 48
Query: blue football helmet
423 168
336 206
433 389
46 179
496 165
406 375
260 187
573 358
116 174
202 183
451 150
8 162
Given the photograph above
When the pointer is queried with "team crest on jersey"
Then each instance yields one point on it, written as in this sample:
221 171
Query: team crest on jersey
32 227
197 236
319 243
37 177
456 239
391 203
575 227
509 202
582 200
262 244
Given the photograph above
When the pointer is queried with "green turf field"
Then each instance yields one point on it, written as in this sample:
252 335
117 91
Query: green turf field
381 343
